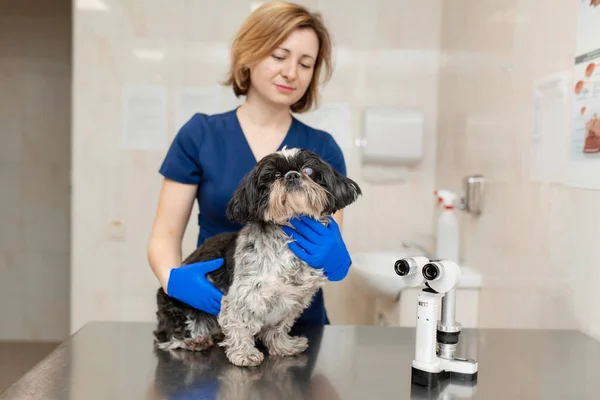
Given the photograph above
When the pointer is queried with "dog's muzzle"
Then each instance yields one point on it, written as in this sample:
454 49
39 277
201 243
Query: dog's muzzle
293 179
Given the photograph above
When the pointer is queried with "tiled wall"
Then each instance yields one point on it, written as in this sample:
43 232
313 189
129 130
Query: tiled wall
378 61
535 242
35 104
468 65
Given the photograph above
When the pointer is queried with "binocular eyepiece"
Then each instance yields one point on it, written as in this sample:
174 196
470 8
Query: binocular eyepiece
431 271
440 275
406 266
402 267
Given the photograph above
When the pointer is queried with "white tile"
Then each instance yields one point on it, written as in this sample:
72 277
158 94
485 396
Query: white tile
152 19
477 111
204 20
355 27
533 242
138 307
409 24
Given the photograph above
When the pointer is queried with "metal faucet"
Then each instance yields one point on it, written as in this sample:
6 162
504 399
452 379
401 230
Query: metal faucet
408 244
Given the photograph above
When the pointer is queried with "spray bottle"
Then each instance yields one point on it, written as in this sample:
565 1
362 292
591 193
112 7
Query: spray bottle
448 233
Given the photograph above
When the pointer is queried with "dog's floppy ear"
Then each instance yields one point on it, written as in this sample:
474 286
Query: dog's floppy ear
343 191
243 206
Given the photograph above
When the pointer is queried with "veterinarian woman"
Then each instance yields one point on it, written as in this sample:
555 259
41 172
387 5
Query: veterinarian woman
276 61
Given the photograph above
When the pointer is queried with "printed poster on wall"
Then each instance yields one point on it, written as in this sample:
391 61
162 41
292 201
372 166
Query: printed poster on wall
585 129
551 120
144 117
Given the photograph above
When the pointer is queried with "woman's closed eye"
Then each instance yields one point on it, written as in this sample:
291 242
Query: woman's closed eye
278 58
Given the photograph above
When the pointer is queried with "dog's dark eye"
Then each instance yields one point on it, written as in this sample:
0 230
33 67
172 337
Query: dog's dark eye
308 171
277 175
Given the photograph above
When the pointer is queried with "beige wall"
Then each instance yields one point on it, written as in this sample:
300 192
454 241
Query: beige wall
536 243
35 104
378 61
468 65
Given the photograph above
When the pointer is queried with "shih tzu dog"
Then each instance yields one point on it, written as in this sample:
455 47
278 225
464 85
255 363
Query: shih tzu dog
265 286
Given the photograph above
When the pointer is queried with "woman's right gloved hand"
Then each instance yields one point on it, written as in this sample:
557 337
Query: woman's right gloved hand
188 284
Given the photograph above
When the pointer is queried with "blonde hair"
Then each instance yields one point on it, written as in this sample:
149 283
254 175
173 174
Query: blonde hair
265 29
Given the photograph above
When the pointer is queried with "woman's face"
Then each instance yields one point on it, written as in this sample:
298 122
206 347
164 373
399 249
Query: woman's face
284 76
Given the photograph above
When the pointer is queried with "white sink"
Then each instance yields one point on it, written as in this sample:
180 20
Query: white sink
376 270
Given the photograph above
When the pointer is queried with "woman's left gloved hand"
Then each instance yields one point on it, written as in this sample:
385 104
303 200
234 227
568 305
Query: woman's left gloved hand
320 246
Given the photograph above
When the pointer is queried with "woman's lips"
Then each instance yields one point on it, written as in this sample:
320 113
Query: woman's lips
284 89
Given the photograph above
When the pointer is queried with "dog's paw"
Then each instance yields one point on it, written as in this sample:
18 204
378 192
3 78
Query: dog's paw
199 343
290 346
245 357
282 365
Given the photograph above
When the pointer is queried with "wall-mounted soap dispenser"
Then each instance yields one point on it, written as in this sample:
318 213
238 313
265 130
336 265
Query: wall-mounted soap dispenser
472 202
391 142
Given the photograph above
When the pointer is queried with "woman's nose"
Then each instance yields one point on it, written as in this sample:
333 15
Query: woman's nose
290 70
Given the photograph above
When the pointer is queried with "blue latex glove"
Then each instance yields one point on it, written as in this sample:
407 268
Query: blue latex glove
320 246
188 284
205 391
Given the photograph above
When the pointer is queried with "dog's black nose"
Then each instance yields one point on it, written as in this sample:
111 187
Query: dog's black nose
292 177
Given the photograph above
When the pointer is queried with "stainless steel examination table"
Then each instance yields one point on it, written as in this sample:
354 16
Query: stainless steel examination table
117 360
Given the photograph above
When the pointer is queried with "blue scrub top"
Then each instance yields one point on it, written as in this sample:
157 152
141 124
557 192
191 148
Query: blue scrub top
211 151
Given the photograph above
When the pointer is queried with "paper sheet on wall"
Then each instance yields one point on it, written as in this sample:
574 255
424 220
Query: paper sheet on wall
584 154
197 99
550 122
336 119
230 101
144 117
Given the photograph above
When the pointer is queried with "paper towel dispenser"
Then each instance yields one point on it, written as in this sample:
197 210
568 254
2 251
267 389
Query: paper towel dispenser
392 135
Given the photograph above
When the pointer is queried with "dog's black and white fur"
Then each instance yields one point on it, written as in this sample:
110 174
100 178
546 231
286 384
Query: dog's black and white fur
265 286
